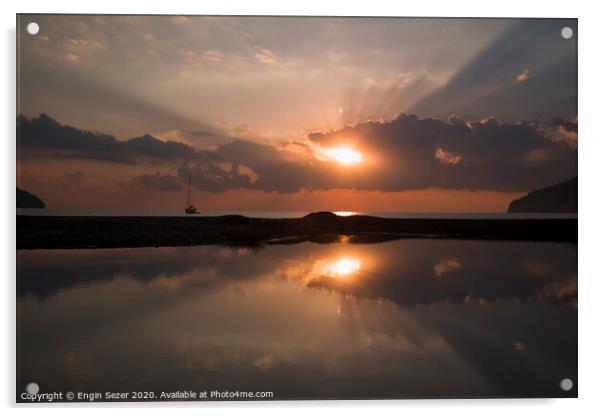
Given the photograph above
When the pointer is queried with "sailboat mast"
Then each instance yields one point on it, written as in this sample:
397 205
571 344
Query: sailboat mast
188 199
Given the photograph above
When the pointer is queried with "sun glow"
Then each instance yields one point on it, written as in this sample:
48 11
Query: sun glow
343 266
343 155
345 213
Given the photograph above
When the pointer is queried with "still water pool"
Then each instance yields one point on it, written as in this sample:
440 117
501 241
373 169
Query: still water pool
401 319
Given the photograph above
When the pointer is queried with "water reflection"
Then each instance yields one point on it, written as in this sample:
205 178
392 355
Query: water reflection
407 318
343 266
446 265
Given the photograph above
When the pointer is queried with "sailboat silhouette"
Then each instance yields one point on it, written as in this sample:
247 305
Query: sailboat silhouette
190 209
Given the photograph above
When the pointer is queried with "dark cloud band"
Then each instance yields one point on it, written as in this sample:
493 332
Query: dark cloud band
406 153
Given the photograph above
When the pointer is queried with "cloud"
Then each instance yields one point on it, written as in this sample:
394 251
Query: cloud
523 76
158 182
188 54
562 130
46 135
407 153
71 57
199 139
413 153
79 44
265 56
250 165
447 157
212 55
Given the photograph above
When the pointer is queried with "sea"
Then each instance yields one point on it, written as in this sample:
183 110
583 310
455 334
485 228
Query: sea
288 214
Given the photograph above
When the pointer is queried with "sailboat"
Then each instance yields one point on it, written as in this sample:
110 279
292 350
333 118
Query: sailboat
190 209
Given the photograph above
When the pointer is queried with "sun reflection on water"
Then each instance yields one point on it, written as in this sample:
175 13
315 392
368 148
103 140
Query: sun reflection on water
344 266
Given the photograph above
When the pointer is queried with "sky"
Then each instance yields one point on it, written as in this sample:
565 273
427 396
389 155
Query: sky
294 113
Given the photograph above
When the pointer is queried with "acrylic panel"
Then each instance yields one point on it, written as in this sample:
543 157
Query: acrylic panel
292 208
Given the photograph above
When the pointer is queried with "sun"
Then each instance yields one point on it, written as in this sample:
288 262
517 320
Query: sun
344 155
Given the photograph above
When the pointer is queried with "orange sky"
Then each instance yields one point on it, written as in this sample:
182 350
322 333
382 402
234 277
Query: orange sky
103 187
109 195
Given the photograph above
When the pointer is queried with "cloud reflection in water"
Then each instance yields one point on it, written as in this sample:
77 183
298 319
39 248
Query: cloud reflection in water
304 320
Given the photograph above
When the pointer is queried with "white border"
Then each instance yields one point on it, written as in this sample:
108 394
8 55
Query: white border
590 203
508 8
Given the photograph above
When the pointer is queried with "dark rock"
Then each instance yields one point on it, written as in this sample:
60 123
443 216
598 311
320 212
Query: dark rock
559 198
28 200
233 220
